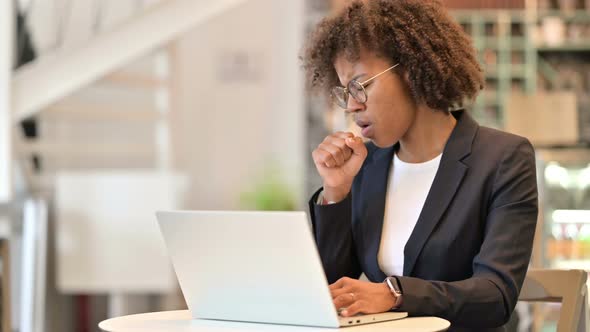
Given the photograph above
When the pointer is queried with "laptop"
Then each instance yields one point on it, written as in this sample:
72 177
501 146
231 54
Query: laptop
260 267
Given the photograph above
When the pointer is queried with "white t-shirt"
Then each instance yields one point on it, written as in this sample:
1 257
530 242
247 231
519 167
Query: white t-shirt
408 187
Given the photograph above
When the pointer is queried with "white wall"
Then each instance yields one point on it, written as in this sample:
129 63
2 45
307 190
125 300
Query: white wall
240 97
241 101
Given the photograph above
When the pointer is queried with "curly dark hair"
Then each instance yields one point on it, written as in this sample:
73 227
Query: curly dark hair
435 52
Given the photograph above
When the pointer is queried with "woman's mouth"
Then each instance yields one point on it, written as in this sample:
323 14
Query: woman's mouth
367 131
366 128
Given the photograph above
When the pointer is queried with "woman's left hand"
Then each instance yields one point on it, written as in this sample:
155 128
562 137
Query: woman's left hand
361 297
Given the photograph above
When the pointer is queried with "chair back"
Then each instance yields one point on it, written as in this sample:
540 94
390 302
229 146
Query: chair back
565 286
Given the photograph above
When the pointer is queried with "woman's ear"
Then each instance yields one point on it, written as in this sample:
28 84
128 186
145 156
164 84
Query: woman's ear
406 76
407 86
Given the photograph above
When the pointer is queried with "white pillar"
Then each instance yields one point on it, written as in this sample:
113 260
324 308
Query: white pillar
33 266
6 58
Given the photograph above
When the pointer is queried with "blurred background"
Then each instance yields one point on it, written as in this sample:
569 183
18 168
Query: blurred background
112 109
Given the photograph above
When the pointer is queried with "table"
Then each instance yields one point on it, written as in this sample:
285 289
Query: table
180 321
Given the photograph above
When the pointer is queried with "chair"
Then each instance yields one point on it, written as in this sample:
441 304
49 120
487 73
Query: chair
565 286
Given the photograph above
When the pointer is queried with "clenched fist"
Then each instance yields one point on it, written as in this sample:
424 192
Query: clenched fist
338 159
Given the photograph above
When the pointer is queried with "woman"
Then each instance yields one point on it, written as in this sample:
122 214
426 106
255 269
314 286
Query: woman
438 212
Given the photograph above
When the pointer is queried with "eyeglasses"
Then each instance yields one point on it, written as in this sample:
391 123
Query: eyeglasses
356 89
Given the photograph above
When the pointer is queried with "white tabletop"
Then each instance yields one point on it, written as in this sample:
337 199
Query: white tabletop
180 321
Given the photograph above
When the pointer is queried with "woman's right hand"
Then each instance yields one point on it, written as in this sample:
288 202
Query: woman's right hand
338 159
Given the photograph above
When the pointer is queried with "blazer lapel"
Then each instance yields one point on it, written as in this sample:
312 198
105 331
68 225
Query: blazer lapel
446 183
374 193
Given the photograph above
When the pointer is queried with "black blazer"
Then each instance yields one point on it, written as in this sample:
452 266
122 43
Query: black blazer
468 254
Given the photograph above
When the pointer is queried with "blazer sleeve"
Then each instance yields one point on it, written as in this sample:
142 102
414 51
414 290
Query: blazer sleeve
332 229
488 298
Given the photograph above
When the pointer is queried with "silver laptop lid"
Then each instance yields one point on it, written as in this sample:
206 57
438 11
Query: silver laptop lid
248 266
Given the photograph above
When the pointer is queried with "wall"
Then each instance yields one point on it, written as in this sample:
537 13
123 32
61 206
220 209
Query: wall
241 102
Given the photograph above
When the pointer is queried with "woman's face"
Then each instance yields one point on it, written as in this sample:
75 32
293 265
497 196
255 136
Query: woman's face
389 110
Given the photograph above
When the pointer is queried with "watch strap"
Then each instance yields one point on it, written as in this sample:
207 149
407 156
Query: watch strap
395 289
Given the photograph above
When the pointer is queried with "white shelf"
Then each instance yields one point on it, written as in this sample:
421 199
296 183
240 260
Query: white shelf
572 264
571 216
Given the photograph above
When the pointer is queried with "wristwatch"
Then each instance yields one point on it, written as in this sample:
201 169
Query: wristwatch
396 290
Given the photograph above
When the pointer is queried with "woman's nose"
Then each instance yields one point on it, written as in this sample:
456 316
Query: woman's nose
354 106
